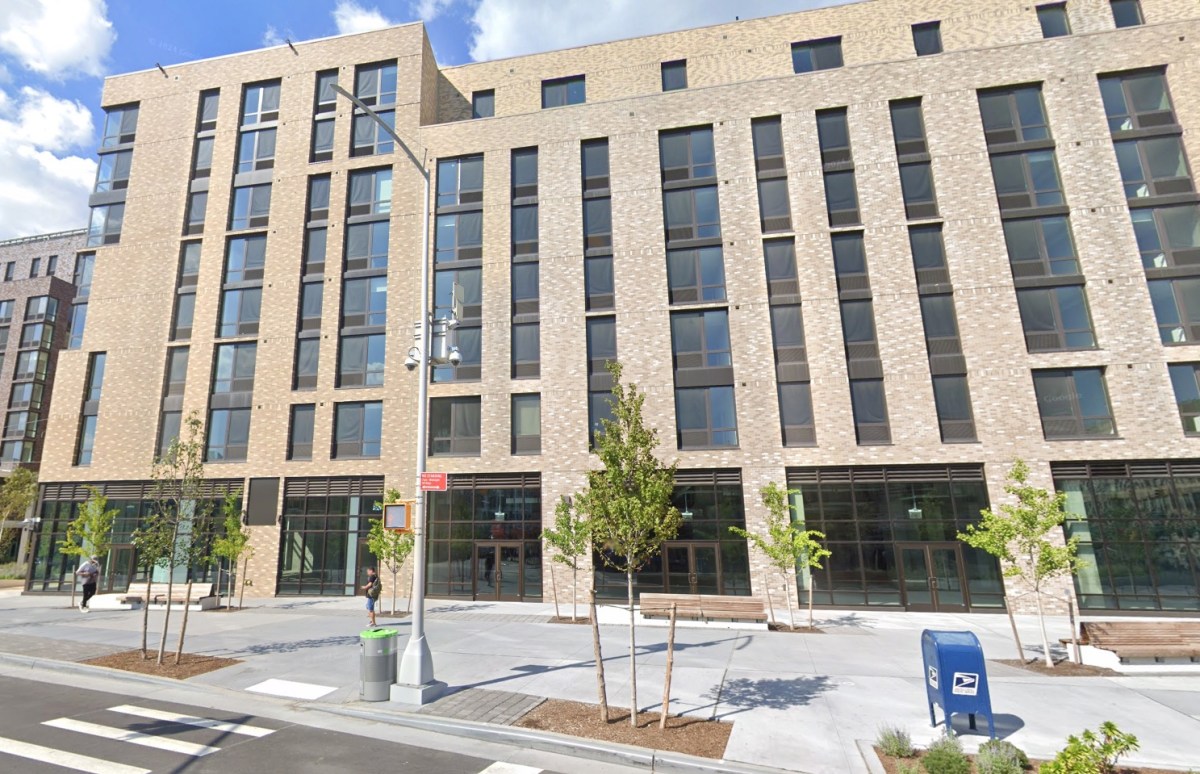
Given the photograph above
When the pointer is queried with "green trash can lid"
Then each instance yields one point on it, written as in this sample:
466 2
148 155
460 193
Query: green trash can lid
376 634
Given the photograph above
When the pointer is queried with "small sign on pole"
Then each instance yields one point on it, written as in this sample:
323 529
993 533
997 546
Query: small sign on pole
433 482
398 516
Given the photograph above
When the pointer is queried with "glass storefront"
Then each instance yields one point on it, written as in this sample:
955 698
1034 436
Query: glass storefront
1139 530
485 538
55 572
893 534
705 557
323 546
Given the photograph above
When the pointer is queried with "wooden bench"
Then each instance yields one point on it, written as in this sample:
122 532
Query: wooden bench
203 594
702 607
1144 639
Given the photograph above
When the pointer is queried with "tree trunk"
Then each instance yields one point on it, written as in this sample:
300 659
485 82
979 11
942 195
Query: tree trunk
162 643
574 587
395 583
74 581
633 702
242 582
666 702
554 591
146 613
599 660
1037 593
229 583
1013 623
187 603
770 601
810 600
787 592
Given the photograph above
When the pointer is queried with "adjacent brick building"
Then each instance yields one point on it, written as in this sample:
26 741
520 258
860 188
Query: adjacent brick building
875 252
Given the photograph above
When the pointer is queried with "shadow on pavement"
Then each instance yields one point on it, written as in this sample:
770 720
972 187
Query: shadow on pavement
770 693
1006 725
264 648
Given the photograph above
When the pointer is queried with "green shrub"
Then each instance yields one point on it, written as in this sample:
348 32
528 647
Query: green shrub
1000 757
904 767
945 756
12 570
1090 753
894 741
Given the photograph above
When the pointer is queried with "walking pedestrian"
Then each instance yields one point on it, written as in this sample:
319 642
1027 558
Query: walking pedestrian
90 572
373 588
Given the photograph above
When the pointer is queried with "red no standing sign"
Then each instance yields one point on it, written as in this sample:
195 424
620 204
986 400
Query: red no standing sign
433 482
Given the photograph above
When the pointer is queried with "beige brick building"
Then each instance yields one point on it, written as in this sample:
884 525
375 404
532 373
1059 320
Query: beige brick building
875 252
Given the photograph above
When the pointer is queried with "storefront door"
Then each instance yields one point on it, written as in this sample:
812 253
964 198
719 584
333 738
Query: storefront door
693 568
119 571
499 571
931 577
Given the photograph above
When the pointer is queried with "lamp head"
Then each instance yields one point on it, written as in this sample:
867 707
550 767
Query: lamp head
413 360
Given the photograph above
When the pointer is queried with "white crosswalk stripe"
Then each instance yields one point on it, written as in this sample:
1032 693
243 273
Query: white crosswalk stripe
500 767
133 737
67 760
192 720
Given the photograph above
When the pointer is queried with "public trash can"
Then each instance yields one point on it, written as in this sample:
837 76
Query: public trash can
377 664
955 677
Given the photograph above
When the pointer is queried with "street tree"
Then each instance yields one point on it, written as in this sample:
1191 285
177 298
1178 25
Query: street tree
16 495
392 548
152 541
627 503
1019 536
90 533
181 504
232 543
787 545
571 541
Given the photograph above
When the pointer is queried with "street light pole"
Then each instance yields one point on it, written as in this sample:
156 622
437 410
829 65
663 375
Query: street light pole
415 683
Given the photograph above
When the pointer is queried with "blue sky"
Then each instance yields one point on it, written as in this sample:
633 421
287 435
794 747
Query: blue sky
54 55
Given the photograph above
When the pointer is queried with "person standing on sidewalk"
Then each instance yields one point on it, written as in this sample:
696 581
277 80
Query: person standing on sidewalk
374 588
90 572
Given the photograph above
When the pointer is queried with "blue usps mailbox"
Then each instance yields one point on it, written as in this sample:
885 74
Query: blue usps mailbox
955 676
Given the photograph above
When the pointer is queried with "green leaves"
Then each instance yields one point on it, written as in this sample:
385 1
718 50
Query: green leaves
571 537
234 538
391 547
627 502
786 545
91 531
1018 534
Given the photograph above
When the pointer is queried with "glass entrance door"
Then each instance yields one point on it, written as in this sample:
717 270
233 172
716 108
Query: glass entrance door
498 570
932 577
693 568
120 570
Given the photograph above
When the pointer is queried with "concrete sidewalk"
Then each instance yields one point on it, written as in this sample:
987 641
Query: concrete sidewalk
798 701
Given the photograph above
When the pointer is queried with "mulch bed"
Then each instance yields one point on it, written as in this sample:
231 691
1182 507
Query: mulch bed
1061 668
782 627
191 665
566 619
694 736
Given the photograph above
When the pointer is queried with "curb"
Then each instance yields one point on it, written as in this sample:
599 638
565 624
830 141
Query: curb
39 662
603 752
867 751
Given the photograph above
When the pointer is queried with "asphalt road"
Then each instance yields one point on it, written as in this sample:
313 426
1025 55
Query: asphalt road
47 728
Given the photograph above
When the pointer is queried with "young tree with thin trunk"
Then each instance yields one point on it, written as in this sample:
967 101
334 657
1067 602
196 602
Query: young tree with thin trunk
180 502
392 548
571 540
1018 535
627 503
152 541
787 545
18 493
232 543
90 533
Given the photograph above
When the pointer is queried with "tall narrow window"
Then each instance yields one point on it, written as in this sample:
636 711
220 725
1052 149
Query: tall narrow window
674 75
1053 18
357 430
1127 13
527 424
483 103
927 38
300 432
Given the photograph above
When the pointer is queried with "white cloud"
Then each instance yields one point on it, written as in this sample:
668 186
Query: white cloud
271 37
43 185
351 17
428 10
57 38
503 28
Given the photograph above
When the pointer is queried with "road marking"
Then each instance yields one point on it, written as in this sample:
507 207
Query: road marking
68 760
500 767
290 689
133 737
192 720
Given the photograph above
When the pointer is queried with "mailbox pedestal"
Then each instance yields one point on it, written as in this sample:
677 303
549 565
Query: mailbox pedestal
955 676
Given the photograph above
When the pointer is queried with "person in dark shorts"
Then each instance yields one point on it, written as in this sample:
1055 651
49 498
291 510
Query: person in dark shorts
90 572
373 588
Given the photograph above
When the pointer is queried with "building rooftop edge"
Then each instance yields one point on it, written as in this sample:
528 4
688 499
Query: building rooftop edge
42 237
